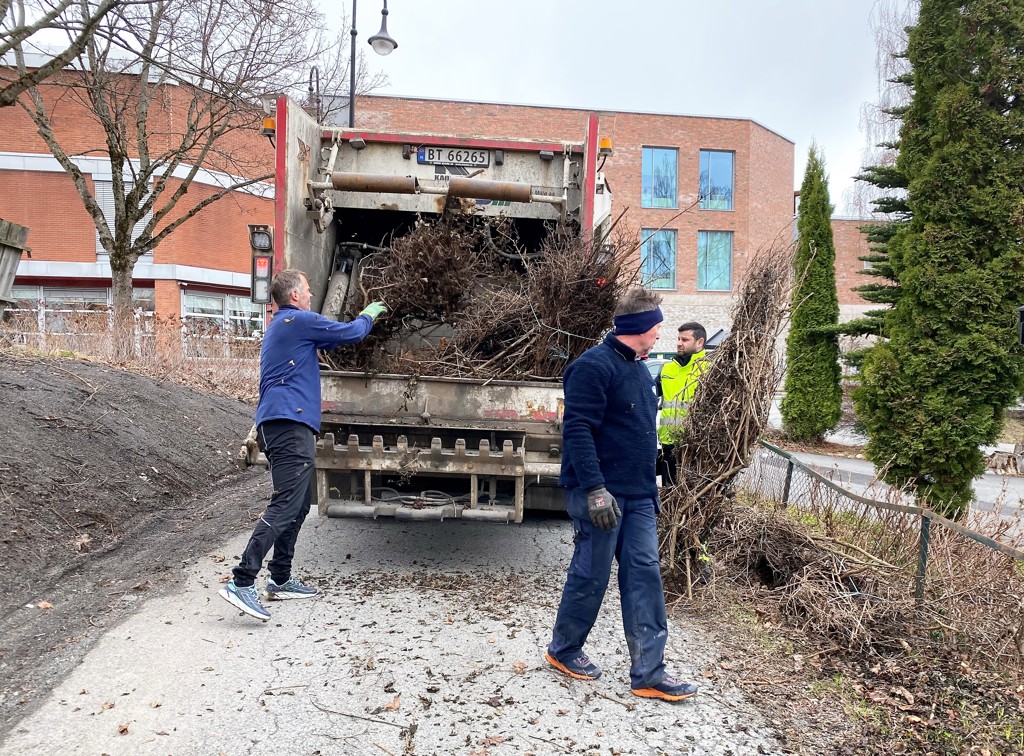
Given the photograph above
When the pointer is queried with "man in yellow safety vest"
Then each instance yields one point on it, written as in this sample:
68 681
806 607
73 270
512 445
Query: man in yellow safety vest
678 383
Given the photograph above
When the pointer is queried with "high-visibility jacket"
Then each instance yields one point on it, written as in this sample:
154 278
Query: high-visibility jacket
678 385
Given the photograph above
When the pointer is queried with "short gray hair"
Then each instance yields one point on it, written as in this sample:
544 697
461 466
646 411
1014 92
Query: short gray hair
637 300
284 284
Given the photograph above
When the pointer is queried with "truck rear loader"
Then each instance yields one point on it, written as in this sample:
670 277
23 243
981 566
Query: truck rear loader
410 446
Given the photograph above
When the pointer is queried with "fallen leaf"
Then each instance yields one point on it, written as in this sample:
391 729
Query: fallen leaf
217 558
44 605
107 705
395 703
491 740
225 578
519 667
907 695
155 704
123 728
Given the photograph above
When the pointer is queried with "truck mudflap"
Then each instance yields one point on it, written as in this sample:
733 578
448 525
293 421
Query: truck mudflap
481 467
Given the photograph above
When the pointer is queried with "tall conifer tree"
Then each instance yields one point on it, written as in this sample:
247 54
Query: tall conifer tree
813 401
938 388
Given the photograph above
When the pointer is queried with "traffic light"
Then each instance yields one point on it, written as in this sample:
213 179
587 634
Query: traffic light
261 239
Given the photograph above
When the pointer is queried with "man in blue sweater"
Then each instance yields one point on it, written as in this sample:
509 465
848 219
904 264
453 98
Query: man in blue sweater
287 421
610 439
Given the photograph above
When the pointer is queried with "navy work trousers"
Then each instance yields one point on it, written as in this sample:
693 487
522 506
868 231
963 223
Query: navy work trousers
290 447
634 543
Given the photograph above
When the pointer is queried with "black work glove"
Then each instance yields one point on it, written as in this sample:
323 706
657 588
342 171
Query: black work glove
603 509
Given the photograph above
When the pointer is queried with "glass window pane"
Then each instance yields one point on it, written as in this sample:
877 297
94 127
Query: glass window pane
70 298
714 260
658 259
246 316
25 296
716 180
209 305
658 177
144 299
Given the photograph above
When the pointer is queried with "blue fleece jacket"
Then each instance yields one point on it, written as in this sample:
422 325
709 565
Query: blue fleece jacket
609 427
289 369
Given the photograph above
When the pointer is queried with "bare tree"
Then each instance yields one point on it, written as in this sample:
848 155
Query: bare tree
880 121
27 24
174 87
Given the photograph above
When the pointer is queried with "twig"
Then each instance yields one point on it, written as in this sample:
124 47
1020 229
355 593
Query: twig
629 706
356 716
545 740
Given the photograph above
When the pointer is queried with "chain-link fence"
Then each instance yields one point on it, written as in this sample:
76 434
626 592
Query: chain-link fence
967 576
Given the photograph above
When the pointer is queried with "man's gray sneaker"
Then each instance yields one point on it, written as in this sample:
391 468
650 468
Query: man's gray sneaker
247 599
290 589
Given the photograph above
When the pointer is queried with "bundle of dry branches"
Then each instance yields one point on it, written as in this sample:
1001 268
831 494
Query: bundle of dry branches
729 411
828 588
466 300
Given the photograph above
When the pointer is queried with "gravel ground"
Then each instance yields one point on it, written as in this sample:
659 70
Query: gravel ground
428 639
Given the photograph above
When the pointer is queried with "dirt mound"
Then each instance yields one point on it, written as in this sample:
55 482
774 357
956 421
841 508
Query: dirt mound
90 455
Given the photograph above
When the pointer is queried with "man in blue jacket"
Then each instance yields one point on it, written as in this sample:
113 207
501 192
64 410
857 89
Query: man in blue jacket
610 439
287 421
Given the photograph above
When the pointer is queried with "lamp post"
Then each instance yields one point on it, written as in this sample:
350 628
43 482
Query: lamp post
382 44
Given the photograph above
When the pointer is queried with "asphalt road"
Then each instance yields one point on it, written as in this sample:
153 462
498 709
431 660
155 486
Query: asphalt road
428 639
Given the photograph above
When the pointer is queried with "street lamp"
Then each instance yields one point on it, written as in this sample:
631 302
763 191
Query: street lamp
382 44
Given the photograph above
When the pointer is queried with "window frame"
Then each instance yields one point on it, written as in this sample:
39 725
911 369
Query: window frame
647 237
705 235
650 202
705 199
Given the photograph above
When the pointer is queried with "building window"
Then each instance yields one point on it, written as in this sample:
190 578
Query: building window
658 258
716 180
714 260
104 196
659 177
206 312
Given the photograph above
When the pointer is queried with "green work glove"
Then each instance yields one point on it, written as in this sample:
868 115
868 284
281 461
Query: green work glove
374 309
603 509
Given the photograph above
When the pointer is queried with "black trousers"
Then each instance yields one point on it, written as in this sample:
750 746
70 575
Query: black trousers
290 448
667 465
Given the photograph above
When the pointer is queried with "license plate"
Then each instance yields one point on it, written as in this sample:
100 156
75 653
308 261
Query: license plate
453 156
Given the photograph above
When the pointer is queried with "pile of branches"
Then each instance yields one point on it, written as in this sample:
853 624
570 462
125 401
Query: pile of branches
829 588
728 414
466 300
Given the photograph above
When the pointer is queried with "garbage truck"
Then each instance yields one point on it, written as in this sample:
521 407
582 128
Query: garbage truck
411 446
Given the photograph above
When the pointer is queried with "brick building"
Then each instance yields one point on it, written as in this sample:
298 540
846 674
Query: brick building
201 270
705 193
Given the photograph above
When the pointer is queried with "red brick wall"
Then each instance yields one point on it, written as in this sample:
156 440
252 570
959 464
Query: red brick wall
60 229
217 237
850 244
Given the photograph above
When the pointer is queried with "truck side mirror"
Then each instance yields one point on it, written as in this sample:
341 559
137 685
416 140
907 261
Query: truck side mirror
261 240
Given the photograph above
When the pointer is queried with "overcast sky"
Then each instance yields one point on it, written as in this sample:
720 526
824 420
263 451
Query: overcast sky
802 68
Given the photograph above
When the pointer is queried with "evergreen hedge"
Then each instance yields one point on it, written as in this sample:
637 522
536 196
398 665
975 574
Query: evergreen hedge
937 389
813 401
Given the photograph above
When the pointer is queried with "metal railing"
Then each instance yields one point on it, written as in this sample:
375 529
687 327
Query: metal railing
814 487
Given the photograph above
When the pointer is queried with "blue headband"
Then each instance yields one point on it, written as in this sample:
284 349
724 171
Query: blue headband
637 322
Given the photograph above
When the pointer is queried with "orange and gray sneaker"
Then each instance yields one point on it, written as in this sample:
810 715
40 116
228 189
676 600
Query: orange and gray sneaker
579 666
669 689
